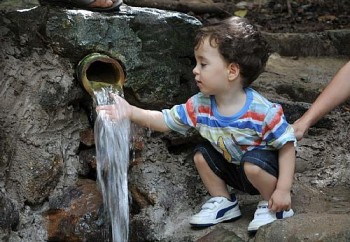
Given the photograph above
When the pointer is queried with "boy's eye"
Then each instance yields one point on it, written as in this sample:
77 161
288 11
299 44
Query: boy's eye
203 64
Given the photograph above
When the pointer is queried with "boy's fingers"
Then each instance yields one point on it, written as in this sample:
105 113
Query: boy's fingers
103 107
270 204
100 107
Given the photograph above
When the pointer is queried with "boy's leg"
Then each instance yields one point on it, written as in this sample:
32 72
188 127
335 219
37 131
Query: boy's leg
263 181
228 173
260 168
221 207
214 184
261 171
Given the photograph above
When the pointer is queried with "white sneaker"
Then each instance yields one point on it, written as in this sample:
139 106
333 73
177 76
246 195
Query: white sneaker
216 210
263 215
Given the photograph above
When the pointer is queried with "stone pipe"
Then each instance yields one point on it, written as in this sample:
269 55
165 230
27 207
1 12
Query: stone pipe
97 71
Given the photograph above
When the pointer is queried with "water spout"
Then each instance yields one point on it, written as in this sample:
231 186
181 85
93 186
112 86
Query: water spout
97 71
102 75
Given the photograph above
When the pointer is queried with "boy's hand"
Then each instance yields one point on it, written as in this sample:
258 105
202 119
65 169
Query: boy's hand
280 201
119 110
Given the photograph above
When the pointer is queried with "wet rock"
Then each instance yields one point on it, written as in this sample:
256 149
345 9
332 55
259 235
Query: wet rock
87 137
141 199
76 214
9 5
9 214
88 165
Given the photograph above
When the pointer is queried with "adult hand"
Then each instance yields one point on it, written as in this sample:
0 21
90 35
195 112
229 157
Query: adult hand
299 129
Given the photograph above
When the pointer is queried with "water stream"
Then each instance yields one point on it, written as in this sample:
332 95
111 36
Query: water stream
112 156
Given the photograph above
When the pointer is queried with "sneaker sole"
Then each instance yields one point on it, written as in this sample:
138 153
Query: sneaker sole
254 228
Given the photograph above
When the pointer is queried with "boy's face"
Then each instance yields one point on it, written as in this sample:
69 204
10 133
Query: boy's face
211 70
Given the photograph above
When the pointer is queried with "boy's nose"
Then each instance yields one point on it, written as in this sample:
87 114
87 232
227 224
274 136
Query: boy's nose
195 70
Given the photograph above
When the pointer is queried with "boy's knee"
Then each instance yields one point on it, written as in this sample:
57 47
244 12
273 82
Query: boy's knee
251 170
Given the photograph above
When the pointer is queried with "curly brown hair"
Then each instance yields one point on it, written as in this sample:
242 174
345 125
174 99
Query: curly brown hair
238 42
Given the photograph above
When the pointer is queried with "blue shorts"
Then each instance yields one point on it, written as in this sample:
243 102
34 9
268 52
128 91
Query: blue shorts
233 174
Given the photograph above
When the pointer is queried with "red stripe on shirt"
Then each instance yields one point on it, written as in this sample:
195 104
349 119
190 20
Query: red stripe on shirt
191 112
274 121
204 109
254 115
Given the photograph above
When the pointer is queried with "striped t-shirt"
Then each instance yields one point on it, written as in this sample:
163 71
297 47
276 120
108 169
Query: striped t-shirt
260 124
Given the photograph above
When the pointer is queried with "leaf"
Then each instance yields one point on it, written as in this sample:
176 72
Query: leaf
241 13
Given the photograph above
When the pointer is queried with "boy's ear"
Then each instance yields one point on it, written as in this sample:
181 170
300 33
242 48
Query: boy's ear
234 71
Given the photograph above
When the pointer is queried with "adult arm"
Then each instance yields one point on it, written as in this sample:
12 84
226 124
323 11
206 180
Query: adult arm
335 93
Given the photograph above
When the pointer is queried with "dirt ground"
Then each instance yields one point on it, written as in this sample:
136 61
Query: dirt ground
304 16
280 16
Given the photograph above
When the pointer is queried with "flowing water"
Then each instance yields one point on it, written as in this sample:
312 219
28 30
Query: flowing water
112 155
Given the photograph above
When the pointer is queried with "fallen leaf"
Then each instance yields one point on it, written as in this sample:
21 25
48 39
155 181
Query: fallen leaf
241 13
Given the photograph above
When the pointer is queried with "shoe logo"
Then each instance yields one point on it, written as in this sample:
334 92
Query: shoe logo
223 211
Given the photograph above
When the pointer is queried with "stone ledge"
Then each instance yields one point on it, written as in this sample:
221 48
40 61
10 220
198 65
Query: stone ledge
327 43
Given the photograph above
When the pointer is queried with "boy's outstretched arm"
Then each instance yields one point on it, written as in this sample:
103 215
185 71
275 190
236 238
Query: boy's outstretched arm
149 118
122 109
335 93
281 198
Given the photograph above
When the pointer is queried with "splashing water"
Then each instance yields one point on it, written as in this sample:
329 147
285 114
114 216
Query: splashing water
112 155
